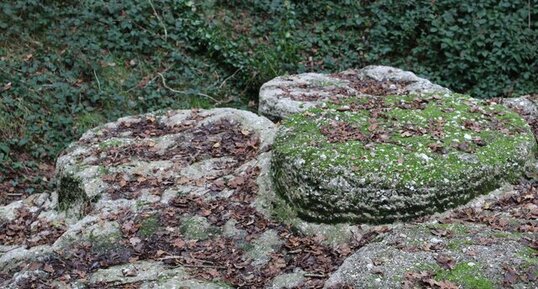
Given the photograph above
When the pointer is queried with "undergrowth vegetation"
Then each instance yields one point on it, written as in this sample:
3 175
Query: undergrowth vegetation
66 66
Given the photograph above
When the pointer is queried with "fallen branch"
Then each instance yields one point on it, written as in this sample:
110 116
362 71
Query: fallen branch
190 265
313 275
183 92
159 18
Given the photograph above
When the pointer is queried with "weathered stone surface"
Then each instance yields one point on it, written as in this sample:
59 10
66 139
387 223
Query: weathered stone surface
526 105
288 280
263 247
149 275
116 181
382 159
120 164
175 200
473 252
286 95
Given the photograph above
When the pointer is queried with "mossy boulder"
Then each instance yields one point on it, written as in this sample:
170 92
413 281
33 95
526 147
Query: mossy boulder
386 158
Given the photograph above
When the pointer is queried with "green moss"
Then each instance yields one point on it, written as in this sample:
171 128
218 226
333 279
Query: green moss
529 255
404 163
455 228
505 235
413 170
464 275
458 244
105 243
282 212
198 228
141 204
469 277
70 191
103 170
110 143
148 226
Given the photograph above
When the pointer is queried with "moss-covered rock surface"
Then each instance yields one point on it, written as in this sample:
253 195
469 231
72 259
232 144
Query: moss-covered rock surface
386 158
431 255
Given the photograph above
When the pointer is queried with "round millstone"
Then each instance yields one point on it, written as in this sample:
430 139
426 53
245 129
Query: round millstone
151 158
381 159
286 95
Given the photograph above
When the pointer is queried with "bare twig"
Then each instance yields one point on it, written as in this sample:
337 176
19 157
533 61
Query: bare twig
313 275
97 79
183 92
159 18
229 77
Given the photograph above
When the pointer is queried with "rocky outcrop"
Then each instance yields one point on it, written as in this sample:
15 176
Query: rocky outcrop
286 95
186 198
381 159
166 199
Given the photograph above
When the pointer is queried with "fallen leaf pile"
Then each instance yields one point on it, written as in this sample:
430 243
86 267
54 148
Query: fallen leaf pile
372 86
215 258
193 144
517 212
342 132
29 230
414 280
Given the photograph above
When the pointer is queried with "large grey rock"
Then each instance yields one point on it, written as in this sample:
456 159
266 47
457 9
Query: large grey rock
123 163
129 167
382 159
476 254
285 95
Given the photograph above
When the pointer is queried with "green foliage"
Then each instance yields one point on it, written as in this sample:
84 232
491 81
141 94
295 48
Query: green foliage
487 48
66 66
